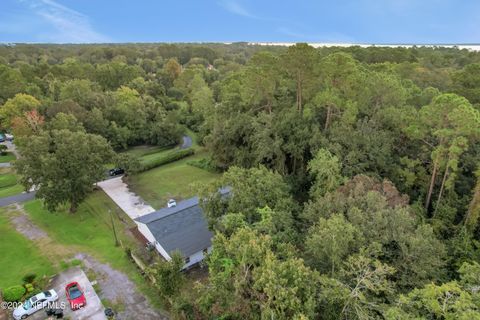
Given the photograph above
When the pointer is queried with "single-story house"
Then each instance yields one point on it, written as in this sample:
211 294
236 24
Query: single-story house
181 228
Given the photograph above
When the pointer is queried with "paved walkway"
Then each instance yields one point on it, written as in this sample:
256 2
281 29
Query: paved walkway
128 201
22 197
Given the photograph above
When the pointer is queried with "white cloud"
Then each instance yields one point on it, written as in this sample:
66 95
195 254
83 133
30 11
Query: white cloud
69 26
235 7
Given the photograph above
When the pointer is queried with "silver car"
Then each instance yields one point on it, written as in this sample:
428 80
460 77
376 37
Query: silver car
35 303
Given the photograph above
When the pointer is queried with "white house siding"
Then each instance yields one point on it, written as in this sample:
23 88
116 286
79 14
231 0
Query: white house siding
196 258
147 234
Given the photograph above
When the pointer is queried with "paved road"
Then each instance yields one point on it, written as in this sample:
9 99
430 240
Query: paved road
22 197
5 164
187 142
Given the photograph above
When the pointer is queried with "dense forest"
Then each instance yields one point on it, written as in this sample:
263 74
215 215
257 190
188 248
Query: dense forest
354 171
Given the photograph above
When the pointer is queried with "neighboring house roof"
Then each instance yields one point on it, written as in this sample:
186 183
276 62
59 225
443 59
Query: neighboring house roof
182 228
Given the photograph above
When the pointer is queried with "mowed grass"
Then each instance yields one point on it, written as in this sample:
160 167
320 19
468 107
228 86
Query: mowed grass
173 180
7 157
19 256
8 183
89 230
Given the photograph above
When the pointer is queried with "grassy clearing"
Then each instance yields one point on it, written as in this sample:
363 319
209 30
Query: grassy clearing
89 230
172 180
8 183
19 256
7 157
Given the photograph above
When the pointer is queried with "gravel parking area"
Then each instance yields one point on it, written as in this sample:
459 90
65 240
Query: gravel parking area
117 287
94 309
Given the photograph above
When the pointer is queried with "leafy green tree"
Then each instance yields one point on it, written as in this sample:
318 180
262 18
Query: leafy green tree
31 123
262 77
387 229
82 91
330 241
298 62
473 213
446 126
11 82
16 107
114 74
285 289
341 77
466 82
128 162
63 165
251 189
446 301
367 281
172 68
326 171
63 121
169 277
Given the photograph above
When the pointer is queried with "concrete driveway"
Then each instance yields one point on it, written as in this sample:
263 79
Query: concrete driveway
128 201
93 310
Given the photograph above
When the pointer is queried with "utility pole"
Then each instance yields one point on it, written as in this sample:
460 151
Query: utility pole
113 226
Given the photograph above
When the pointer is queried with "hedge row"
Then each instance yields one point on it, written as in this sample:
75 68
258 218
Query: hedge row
157 150
205 164
170 157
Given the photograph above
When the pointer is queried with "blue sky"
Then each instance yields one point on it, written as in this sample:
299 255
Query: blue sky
357 21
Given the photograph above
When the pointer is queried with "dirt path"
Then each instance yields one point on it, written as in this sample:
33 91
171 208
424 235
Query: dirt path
115 286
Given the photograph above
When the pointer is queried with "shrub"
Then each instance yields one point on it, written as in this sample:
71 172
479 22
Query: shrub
205 164
14 293
157 150
29 278
29 287
171 157
34 292
3 149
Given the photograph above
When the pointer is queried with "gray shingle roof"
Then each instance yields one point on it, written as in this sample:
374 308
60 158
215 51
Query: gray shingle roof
182 228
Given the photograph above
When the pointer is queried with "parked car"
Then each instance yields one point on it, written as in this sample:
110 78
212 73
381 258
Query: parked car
9 137
171 203
34 304
75 296
116 171
2 137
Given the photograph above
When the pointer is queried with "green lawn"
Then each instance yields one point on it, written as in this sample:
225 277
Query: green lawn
7 157
90 231
172 180
8 183
19 256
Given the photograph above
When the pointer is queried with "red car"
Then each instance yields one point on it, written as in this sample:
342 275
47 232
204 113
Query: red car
75 296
